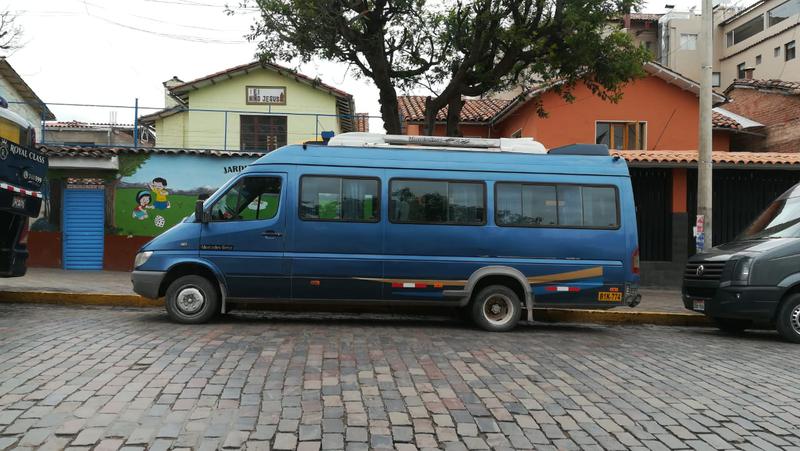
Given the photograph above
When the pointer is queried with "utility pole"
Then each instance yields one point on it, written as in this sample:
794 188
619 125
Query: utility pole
704 166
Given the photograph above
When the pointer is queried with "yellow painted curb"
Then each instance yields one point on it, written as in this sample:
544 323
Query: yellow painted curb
621 317
60 298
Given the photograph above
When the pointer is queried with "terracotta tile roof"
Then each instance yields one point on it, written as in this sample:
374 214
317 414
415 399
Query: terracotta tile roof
789 87
719 120
412 108
108 152
683 158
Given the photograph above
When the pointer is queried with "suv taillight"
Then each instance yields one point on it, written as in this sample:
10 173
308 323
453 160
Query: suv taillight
635 261
23 234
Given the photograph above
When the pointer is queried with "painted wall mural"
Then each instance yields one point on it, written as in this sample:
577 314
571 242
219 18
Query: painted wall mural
154 192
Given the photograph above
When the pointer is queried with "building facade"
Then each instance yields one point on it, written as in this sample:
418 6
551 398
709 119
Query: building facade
762 37
21 98
253 107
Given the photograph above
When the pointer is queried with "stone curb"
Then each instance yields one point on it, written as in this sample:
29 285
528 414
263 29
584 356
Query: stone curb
548 315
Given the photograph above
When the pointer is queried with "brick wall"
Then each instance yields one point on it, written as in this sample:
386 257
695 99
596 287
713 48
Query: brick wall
769 108
779 112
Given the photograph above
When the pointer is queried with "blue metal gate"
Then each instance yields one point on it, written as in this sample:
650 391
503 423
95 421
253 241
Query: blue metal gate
83 227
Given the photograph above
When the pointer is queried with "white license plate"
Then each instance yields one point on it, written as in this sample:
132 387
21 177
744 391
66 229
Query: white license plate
700 306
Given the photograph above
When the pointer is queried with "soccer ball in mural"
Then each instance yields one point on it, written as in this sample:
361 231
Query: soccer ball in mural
160 222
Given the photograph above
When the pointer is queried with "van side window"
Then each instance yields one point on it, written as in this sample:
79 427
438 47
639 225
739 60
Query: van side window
437 202
251 198
543 205
326 198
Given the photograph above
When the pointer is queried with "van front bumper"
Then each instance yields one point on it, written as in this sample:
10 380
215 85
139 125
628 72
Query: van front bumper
147 283
756 303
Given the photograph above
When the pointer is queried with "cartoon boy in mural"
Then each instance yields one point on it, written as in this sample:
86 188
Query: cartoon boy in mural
158 187
142 204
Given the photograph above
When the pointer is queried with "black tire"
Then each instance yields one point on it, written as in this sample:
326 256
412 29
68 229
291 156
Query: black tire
187 311
788 321
732 326
496 308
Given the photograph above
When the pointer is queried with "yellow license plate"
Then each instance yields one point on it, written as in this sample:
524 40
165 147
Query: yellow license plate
609 296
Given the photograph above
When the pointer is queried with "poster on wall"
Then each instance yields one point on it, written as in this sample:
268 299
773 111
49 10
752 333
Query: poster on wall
156 192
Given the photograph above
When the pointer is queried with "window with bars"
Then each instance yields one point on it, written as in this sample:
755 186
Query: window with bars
621 135
262 132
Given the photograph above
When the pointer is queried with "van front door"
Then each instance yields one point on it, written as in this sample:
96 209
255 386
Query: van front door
245 237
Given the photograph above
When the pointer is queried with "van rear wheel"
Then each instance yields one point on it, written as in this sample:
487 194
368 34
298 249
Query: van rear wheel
788 322
191 300
496 308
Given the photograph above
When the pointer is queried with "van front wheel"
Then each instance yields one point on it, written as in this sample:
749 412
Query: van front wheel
191 300
496 308
789 319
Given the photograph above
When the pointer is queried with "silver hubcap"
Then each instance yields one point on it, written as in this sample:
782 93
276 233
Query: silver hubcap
795 319
498 309
190 300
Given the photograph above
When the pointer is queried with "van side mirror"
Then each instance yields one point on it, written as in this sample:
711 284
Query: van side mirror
199 213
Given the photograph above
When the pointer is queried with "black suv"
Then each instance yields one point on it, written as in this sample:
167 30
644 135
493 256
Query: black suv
755 279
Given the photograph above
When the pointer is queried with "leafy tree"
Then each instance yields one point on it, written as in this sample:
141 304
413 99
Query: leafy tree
392 42
497 44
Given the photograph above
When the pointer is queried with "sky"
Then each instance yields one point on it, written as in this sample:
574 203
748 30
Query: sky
112 52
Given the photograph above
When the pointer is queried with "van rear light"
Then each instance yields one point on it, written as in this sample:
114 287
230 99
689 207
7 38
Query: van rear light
635 261
23 234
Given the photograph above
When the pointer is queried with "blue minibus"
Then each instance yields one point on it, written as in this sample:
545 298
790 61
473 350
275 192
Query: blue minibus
495 227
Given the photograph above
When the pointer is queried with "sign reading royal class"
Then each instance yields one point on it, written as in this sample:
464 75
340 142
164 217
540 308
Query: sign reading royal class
266 95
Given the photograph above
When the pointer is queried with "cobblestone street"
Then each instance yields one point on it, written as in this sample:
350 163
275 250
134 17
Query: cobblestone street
129 379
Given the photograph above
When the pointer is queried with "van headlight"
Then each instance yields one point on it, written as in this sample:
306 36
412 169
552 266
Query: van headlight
741 272
141 258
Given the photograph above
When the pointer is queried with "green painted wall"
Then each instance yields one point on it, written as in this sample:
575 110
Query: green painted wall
196 129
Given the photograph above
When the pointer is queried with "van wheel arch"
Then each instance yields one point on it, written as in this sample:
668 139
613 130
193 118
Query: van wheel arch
794 289
501 275
190 269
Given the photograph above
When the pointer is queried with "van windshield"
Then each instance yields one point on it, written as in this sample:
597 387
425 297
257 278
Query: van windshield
780 220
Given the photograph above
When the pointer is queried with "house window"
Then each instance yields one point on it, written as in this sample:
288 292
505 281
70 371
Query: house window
715 79
262 132
517 134
758 59
688 41
777 51
750 28
621 135
740 70
783 12
788 51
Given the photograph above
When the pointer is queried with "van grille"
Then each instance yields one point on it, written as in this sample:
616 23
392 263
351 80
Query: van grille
712 271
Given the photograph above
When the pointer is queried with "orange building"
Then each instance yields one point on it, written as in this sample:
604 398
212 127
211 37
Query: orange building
655 128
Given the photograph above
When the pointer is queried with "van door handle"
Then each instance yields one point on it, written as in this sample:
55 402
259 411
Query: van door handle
271 234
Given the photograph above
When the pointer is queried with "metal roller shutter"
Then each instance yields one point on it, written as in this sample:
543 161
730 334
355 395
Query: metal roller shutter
83 231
